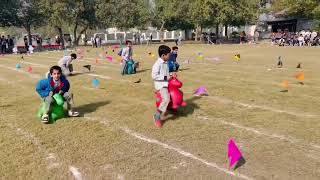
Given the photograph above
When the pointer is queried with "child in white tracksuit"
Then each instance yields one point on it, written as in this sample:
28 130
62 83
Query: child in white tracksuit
160 76
65 64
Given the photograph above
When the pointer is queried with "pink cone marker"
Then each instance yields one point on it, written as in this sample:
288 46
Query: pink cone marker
109 58
234 153
201 91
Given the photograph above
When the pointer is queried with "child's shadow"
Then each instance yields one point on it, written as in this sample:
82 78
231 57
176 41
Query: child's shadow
184 69
79 73
89 108
187 110
142 71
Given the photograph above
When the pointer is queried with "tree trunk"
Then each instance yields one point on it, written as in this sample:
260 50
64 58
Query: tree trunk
200 33
162 31
61 36
85 39
226 30
197 33
28 29
217 31
75 42
77 39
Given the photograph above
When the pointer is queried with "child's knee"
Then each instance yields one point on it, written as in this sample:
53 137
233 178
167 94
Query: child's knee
166 99
48 99
67 96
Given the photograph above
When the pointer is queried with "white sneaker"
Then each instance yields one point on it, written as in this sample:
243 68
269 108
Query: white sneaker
73 113
45 118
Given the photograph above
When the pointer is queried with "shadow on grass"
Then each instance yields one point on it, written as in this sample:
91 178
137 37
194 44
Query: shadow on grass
142 71
187 110
184 69
89 108
240 163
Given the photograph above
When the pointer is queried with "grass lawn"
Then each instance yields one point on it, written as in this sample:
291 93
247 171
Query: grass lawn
115 138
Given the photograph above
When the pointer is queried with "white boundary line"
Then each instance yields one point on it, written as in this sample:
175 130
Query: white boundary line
184 153
75 172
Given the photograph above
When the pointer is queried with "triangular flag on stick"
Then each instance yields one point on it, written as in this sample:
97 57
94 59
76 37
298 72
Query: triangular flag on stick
299 66
300 77
88 67
285 86
109 58
18 66
30 69
95 83
280 64
237 57
201 91
234 153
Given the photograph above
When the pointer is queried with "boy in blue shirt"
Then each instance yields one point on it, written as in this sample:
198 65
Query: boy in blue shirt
55 83
172 63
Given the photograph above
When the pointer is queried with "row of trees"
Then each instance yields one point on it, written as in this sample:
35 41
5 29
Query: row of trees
301 8
83 15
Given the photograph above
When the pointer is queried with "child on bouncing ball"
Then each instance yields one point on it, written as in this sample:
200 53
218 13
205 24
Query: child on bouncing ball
47 88
160 76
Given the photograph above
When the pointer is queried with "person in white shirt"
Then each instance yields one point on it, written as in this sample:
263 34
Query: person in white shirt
92 41
303 32
301 40
180 39
65 64
160 76
129 65
127 52
313 36
98 44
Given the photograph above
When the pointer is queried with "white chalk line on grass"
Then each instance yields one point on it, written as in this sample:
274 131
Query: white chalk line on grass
51 158
276 136
184 153
229 101
257 132
75 172
254 106
100 76
34 76
88 74
83 60
292 140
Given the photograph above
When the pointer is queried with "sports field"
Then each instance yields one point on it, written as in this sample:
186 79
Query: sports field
115 138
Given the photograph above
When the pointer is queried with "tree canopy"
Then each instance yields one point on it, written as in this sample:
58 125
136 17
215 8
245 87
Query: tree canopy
82 15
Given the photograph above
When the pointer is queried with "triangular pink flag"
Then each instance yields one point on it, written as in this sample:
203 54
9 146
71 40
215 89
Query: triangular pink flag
234 153
201 91
30 69
109 58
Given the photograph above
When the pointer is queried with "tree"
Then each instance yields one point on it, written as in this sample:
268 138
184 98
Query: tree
82 14
28 15
9 9
123 14
22 13
299 8
56 12
202 14
236 13
165 11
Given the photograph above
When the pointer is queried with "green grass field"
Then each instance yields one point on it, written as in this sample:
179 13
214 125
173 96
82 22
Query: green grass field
278 132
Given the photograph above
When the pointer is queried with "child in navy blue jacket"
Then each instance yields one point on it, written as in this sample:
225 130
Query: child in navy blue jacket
55 83
172 63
